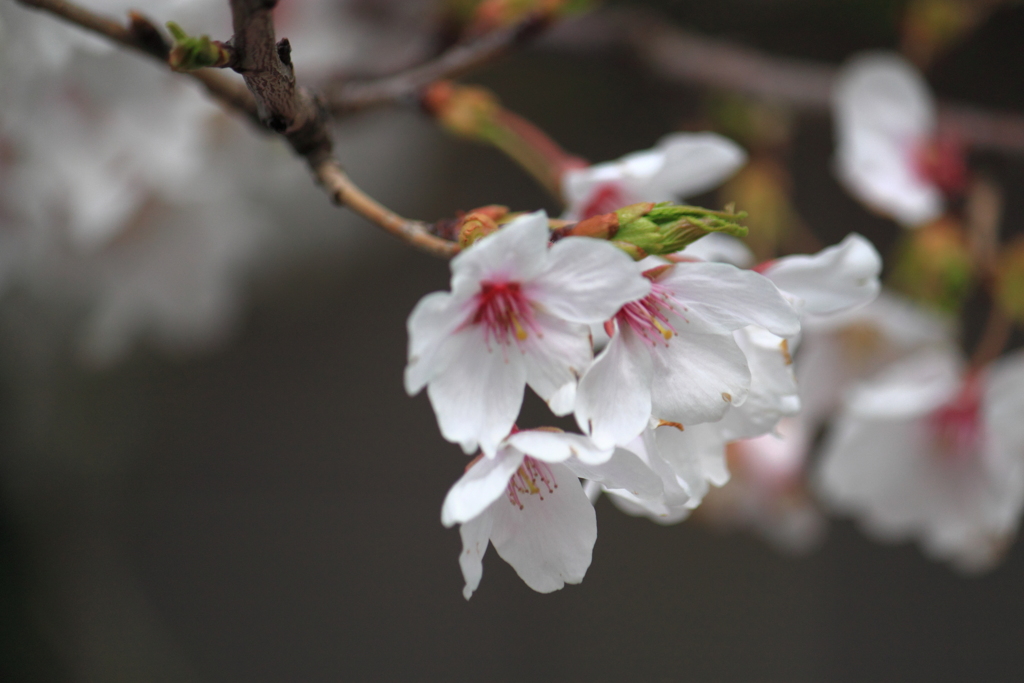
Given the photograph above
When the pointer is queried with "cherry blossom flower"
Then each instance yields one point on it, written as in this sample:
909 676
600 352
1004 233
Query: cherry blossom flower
517 314
680 165
927 452
672 354
888 154
533 509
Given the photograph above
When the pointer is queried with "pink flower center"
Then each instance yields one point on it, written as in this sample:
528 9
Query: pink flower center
941 161
531 479
648 317
605 198
956 427
504 312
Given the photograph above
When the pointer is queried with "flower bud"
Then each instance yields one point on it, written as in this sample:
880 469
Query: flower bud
462 110
665 228
934 265
602 227
477 224
190 53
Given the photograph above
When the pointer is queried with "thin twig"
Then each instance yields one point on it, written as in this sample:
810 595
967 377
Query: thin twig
345 97
344 192
680 56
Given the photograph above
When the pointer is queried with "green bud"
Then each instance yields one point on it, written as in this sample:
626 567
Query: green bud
190 53
666 228
934 266
1010 280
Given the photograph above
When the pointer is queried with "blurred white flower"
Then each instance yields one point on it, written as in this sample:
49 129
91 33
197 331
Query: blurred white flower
532 507
680 165
887 151
930 453
517 314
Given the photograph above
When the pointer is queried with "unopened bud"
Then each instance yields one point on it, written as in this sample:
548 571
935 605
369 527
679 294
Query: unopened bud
666 228
934 265
603 227
474 226
463 110
190 53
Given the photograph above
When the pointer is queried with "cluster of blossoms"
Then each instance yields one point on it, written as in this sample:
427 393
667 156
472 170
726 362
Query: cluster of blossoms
697 356
126 191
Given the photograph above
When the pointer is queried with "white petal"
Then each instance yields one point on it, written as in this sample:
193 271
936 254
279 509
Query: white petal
482 484
613 400
558 446
475 535
697 377
654 510
718 298
550 540
911 388
883 110
719 247
1004 403
516 253
478 390
697 456
773 392
587 281
836 279
434 318
692 163
557 353
625 471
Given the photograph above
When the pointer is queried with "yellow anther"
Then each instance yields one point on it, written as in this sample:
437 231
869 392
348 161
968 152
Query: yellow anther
520 332
665 332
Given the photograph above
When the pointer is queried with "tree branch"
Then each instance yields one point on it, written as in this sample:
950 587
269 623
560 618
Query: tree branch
680 56
344 192
345 97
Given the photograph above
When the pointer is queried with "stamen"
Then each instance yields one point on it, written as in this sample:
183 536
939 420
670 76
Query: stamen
530 479
649 316
504 312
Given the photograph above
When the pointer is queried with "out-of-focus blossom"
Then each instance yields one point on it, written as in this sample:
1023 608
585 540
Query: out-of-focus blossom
888 154
680 165
517 314
527 501
766 492
927 452
672 354
838 351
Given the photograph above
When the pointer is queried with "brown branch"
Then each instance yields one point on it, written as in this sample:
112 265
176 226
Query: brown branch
343 191
680 56
345 97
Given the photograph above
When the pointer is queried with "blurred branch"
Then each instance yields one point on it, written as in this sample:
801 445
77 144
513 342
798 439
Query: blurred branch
270 94
344 97
681 56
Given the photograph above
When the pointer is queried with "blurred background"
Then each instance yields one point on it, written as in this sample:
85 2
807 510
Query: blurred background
267 508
